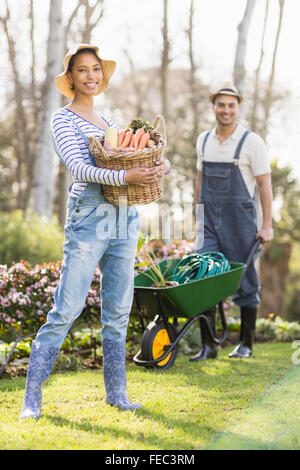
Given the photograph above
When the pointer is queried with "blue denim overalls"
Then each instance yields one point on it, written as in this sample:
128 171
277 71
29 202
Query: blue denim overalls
91 238
230 219
96 232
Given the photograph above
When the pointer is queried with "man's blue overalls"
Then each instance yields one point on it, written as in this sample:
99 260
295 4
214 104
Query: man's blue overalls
230 227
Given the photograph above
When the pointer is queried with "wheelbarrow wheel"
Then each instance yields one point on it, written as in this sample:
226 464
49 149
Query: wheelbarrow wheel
155 342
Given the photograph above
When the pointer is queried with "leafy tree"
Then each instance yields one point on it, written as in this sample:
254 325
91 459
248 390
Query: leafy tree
274 266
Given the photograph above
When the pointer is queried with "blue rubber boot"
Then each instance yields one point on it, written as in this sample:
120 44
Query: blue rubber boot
114 353
41 362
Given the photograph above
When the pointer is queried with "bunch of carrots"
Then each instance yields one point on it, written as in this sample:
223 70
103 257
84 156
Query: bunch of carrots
137 140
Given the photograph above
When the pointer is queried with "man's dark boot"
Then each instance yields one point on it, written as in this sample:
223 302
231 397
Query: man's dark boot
248 319
208 348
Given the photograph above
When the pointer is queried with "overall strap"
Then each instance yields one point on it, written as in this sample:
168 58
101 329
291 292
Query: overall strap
204 143
83 135
239 147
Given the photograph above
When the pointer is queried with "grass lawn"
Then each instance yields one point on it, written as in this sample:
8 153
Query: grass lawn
218 404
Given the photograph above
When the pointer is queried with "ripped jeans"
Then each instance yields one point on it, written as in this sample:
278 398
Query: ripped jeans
96 233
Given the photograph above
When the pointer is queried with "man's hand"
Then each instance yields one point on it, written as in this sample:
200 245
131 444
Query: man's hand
266 234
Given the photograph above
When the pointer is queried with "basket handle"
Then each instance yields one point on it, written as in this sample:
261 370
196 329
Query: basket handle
160 118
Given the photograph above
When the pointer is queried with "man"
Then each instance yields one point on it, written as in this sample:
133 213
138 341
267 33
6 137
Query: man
232 162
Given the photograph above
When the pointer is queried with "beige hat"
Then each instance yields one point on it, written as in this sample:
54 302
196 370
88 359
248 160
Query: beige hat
227 90
62 81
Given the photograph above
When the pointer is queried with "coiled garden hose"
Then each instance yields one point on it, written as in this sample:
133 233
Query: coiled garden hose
196 266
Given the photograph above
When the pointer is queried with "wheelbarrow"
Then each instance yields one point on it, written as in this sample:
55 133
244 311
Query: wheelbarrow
159 344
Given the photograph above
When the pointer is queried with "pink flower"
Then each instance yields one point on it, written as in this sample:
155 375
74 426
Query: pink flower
3 268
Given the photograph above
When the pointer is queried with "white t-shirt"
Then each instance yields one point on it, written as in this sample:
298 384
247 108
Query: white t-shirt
253 159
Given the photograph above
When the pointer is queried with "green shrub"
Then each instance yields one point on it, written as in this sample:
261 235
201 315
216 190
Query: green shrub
293 308
278 329
28 236
267 328
287 331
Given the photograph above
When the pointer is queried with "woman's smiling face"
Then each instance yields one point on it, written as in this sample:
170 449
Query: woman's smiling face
86 74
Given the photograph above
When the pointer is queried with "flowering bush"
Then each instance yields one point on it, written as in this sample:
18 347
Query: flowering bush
27 295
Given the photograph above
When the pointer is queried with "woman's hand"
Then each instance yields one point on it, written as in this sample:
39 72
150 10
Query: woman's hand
164 167
143 176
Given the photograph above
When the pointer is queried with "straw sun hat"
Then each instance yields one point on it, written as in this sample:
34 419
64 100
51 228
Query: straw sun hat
228 89
62 81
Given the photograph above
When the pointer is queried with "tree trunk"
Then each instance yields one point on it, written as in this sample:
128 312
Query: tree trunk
253 117
269 93
164 72
240 54
23 134
274 271
44 171
165 62
193 70
36 109
193 91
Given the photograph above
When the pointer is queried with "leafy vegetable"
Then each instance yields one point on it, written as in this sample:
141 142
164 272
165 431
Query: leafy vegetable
138 123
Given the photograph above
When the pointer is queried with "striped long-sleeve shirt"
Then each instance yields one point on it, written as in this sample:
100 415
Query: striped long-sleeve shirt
75 153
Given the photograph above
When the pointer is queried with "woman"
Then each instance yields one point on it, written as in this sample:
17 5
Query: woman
91 236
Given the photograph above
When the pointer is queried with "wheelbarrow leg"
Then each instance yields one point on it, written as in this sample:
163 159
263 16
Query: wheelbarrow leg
208 348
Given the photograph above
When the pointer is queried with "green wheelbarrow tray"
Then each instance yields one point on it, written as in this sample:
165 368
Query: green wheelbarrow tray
188 300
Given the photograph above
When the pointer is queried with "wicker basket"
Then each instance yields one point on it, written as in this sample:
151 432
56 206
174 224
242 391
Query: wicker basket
133 194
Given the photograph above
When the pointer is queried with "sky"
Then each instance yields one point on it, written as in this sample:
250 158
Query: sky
135 25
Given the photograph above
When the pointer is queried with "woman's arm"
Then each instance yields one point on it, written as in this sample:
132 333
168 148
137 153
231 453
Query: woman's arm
67 143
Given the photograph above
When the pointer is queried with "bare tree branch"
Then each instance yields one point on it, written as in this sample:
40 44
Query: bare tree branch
72 17
89 25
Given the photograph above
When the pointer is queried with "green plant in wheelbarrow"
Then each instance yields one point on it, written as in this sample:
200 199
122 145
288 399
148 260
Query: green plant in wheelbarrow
150 264
156 273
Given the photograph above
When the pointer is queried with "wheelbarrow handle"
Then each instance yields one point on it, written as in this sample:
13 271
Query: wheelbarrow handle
252 253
